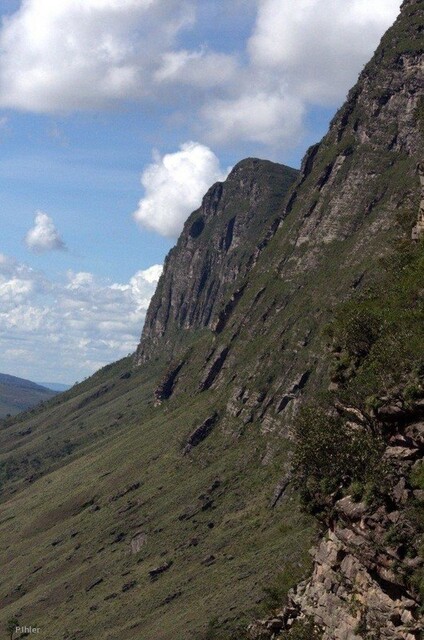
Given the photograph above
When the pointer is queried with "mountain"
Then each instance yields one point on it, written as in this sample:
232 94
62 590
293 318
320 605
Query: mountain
274 404
17 394
220 243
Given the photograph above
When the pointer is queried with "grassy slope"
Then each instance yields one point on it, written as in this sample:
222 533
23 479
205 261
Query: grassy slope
59 543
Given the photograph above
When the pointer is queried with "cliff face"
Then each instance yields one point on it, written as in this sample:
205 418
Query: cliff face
367 576
364 168
219 244
262 304
360 585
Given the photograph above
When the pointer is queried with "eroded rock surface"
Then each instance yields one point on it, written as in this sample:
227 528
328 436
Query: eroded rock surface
216 249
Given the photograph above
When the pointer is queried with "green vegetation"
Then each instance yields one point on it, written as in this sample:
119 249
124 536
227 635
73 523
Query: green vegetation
228 631
402 37
277 589
96 494
73 522
417 477
377 340
11 626
330 455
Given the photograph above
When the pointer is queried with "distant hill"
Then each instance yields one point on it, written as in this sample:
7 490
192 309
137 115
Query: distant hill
18 394
55 386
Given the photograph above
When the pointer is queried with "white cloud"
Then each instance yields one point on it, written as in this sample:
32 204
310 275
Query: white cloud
69 55
44 236
201 69
174 186
302 53
18 282
151 275
73 327
266 117
78 54
318 46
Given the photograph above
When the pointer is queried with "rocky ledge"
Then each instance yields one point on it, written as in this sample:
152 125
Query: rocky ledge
368 565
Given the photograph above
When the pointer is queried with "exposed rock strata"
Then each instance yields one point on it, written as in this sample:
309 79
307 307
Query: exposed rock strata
216 249
200 433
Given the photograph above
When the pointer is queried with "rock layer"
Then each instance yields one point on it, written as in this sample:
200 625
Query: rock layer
219 245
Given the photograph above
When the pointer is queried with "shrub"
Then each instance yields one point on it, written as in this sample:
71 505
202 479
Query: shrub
331 454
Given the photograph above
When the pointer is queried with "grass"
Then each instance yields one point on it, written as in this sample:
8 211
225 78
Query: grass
66 529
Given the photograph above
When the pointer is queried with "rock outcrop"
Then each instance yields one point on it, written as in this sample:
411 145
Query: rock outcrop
259 266
219 245
232 347
361 584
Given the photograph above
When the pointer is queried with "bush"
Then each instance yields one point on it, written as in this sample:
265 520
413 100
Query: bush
378 337
275 594
217 630
355 329
331 454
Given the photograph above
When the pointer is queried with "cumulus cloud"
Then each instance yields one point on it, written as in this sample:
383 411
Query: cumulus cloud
75 326
79 54
44 236
300 54
91 54
174 185
18 282
202 69
267 117
318 46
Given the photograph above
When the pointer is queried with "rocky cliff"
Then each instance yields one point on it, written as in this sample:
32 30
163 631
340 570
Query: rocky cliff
219 244
358 191
360 585
357 196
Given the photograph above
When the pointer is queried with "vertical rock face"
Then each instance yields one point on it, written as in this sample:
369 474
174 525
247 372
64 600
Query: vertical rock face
418 230
358 191
234 336
220 243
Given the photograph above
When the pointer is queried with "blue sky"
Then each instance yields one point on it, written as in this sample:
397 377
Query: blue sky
115 117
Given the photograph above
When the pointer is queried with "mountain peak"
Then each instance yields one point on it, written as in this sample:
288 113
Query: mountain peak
220 242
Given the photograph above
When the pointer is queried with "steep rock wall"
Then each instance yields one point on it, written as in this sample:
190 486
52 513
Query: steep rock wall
219 244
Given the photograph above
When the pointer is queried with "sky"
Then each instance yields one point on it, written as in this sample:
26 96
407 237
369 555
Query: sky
115 118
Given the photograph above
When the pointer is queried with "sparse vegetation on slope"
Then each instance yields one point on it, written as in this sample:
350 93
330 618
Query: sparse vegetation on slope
377 341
